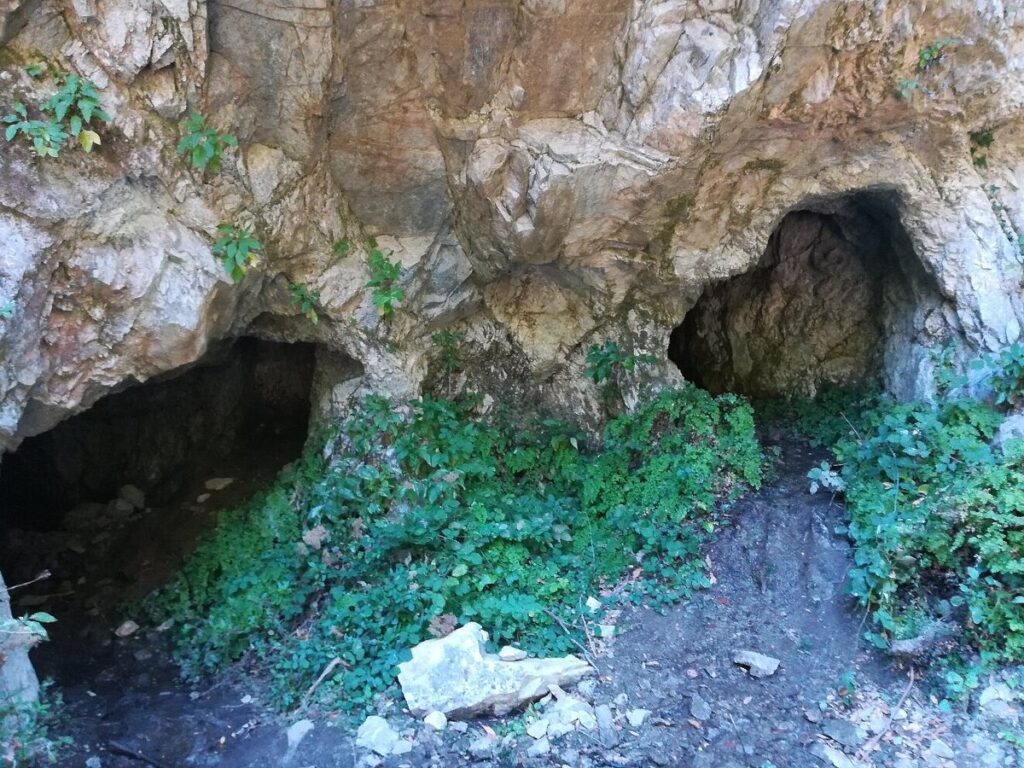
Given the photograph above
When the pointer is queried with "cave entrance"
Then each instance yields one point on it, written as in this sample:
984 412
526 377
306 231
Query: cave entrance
111 500
831 302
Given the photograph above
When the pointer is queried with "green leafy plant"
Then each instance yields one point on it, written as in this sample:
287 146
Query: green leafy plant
75 105
930 56
825 477
237 249
416 518
935 517
980 142
448 345
46 136
605 364
383 283
1007 374
69 113
203 144
341 247
306 300
26 738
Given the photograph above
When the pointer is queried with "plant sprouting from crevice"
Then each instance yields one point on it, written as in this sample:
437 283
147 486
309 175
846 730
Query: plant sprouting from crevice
67 114
203 144
306 300
237 249
386 293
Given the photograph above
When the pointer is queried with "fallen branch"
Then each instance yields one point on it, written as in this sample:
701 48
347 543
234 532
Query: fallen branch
118 748
872 744
43 576
568 632
331 666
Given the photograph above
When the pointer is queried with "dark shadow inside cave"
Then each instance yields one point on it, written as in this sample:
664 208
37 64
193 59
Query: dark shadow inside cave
832 301
112 500
244 406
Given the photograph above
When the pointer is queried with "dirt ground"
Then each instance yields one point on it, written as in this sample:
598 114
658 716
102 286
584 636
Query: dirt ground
778 567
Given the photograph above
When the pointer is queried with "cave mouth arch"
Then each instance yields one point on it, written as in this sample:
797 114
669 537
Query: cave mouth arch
243 407
833 300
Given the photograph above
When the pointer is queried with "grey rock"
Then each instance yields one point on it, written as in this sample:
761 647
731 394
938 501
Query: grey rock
699 708
133 496
482 748
842 732
540 747
456 676
637 717
832 756
93 762
939 748
757 664
376 735
606 725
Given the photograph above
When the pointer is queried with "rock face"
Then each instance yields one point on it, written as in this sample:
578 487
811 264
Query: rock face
454 675
18 680
550 174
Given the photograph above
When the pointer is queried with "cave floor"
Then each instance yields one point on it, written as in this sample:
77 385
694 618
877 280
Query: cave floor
778 569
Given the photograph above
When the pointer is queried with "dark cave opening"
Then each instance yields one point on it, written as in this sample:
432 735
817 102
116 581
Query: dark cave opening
831 301
112 500
244 404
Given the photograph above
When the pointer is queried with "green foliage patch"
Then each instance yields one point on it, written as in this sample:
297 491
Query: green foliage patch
67 114
26 731
383 283
937 517
237 250
424 515
306 300
203 144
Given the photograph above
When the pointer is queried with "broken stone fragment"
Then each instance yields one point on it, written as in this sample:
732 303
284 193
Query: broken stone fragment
456 676
127 629
436 721
508 653
133 496
376 735
757 664
218 483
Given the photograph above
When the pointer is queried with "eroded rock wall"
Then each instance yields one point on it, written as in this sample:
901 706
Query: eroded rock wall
549 173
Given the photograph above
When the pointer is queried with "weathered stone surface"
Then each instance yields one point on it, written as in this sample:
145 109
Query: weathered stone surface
756 664
456 676
18 680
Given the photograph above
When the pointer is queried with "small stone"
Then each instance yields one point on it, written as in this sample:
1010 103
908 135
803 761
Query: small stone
436 720
813 715
377 736
939 748
218 483
593 604
133 496
538 729
621 701
606 725
699 709
202 498
458 726
93 762
541 747
831 756
143 654
127 629
586 688
757 664
637 717
842 732
403 747
605 630
297 732
509 653
482 748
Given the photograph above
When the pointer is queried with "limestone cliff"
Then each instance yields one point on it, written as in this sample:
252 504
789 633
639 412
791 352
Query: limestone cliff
549 173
